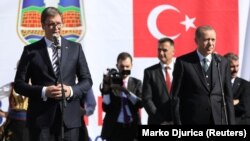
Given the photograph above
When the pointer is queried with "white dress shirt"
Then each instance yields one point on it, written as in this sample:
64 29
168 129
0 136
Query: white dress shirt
201 57
50 51
170 70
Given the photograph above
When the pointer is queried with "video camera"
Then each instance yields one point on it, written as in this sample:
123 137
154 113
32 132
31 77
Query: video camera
116 77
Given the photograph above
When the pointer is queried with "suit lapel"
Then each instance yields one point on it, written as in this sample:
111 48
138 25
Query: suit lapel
130 84
236 86
215 75
198 68
45 55
64 52
162 79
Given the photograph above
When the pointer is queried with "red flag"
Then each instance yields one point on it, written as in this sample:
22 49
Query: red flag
178 19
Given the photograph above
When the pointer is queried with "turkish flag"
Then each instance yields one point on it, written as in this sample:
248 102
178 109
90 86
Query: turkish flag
178 19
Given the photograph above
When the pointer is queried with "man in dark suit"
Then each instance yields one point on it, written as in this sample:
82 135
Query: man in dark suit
157 85
121 102
197 93
39 64
241 91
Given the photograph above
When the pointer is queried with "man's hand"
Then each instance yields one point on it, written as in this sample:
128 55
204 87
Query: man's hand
236 101
117 88
55 91
66 90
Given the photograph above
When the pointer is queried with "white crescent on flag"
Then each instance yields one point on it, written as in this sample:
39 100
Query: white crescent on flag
152 19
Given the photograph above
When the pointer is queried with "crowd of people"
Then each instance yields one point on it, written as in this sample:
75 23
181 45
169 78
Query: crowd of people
48 98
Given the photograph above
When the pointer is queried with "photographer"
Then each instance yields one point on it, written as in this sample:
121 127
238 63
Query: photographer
121 101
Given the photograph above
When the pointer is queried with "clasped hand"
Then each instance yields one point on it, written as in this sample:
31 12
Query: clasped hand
55 91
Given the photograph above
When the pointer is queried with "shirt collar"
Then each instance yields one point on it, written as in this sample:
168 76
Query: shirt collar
49 42
232 80
171 65
201 57
126 79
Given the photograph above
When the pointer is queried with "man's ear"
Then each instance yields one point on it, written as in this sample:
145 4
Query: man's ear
43 25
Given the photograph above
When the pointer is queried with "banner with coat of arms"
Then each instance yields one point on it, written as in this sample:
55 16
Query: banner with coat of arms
29 24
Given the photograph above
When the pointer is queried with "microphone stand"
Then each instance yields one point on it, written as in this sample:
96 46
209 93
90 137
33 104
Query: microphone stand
218 60
59 79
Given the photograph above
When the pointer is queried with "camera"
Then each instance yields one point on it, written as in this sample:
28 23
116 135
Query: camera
116 77
112 77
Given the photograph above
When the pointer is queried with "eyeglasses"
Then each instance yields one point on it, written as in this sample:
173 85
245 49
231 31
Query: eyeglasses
51 25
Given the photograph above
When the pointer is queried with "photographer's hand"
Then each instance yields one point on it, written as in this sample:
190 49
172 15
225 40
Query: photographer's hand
105 86
117 89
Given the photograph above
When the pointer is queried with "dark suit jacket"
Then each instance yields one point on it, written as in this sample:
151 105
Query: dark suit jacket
113 109
35 66
241 91
193 101
156 99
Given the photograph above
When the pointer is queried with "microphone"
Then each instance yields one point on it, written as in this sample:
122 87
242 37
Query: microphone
56 41
218 61
217 58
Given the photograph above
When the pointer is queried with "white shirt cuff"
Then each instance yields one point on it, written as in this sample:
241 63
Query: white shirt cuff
44 97
71 93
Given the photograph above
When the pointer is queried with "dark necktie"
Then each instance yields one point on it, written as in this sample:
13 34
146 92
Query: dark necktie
168 81
55 60
205 65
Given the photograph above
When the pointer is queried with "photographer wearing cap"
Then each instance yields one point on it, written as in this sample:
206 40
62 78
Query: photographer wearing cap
121 101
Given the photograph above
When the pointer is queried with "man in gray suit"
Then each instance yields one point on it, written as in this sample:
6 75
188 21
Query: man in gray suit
39 64
157 85
198 97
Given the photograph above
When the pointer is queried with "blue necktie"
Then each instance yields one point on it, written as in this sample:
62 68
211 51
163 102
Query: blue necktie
205 65
124 103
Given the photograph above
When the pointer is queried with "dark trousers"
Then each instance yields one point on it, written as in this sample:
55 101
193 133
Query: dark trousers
47 134
83 132
123 132
53 133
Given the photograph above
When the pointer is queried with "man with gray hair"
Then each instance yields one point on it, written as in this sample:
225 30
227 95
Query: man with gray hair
201 89
241 91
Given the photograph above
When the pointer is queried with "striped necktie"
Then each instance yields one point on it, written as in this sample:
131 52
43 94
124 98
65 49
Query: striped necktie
55 60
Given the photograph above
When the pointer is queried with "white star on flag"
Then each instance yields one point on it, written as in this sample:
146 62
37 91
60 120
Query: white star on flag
189 22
